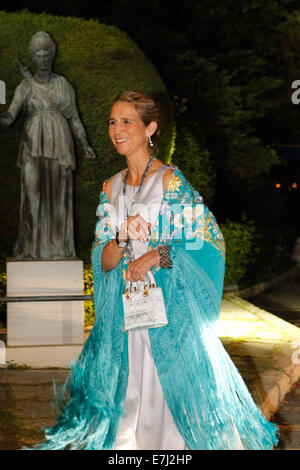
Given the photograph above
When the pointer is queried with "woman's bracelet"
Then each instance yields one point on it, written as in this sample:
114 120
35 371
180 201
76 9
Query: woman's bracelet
164 256
121 244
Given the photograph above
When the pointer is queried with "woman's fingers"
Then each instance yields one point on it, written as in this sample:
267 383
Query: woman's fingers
134 277
133 274
138 228
137 269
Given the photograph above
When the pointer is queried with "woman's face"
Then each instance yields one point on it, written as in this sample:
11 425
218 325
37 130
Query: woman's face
127 131
43 60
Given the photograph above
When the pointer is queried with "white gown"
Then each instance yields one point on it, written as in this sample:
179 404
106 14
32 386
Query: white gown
147 422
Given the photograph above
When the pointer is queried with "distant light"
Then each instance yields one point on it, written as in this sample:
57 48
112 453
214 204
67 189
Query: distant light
277 185
294 186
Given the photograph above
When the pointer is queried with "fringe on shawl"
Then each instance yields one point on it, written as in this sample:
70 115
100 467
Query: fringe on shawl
209 401
89 406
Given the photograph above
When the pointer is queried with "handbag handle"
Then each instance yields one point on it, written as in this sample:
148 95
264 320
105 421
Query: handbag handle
151 282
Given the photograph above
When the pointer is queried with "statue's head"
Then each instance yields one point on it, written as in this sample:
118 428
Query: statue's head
42 49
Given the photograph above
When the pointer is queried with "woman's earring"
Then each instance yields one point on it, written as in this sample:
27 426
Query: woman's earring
150 142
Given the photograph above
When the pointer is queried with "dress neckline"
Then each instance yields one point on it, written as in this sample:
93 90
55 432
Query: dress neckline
136 186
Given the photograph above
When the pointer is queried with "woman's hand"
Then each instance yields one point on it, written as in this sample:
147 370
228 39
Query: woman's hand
136 228
138 268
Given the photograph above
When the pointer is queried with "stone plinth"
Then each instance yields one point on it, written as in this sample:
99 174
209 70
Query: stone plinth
43 324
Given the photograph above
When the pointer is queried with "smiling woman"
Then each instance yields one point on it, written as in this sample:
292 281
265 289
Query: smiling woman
167 385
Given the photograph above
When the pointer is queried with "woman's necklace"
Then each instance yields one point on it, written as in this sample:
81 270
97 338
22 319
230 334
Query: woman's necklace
126 211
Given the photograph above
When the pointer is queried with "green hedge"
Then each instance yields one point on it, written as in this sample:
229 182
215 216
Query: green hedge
256 253
100 61
241 249
195 163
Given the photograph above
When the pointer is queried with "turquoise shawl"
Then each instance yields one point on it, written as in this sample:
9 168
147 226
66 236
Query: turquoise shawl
205 393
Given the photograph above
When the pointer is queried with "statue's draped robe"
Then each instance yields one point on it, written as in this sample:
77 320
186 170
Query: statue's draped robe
205 393
47 161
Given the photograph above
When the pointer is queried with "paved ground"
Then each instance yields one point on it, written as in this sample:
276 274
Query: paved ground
288 420
284 301
25 405
264 347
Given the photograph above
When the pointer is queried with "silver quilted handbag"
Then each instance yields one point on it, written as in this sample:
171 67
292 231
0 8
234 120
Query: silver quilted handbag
144 307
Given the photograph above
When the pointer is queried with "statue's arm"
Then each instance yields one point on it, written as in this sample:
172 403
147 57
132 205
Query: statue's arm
7 118
78 128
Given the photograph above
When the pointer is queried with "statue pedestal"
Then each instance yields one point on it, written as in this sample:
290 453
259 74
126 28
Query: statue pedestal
44 334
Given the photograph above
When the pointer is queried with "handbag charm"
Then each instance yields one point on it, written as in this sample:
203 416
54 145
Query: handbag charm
144 307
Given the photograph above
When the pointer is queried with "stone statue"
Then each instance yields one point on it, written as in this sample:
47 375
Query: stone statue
46 156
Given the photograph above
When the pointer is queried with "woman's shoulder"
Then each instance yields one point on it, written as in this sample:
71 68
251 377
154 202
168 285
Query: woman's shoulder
168 174
107 184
